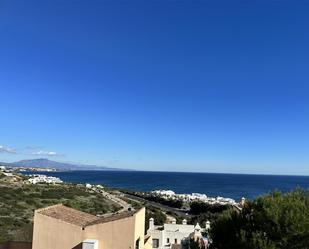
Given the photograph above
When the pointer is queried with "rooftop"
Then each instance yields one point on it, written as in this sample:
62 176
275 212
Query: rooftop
68 215
79 218
113 217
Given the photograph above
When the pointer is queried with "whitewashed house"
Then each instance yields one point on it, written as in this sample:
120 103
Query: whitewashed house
173 235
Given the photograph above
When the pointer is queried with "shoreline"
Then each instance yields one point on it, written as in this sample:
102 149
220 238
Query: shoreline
167 196
226 185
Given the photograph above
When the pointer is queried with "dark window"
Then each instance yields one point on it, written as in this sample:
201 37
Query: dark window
155 243
168 240
137 244
175 241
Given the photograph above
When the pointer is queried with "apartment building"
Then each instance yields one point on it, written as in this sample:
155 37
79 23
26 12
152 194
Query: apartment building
60 227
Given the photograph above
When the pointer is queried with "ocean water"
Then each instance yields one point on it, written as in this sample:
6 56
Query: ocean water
227 185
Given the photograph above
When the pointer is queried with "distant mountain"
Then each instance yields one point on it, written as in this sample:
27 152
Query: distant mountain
5 164
48 164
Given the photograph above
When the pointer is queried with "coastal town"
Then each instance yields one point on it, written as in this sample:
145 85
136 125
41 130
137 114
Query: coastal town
33 178
51 218
167 235
92 216
169 194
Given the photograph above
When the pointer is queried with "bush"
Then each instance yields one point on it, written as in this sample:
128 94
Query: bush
202 207
274 221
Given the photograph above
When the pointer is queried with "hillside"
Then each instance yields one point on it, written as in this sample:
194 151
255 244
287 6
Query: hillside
46 163
18 202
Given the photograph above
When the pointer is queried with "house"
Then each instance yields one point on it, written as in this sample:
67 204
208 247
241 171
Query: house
35 179
60 227
172 236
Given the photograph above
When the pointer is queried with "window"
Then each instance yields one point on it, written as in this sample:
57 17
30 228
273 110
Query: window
168 240
137 244
155 243
89 244
175 241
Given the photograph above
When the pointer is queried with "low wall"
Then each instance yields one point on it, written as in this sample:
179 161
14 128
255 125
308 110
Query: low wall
16 245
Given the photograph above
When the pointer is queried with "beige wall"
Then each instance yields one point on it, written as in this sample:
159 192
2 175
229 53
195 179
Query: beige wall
139 230
50 233
118 234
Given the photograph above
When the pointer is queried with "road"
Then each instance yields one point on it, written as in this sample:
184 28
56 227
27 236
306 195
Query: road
179 212
124 205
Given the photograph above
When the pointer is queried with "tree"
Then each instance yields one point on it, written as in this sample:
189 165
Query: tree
192 244
274 221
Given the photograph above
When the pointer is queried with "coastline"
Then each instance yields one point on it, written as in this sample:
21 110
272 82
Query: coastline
228 185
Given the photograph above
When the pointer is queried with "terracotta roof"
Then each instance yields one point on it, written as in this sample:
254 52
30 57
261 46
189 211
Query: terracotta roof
68 215
112 218
176 246
79 218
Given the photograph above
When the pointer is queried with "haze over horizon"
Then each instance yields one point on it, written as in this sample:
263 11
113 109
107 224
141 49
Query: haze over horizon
199 86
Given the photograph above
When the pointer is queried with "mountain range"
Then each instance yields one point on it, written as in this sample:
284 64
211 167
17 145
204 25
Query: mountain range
48 164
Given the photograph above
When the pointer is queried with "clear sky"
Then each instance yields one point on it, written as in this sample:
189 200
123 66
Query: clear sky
211 86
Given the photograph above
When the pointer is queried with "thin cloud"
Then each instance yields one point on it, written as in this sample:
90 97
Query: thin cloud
46 153
5 149
30 147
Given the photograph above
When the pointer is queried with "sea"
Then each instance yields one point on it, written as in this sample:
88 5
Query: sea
233 186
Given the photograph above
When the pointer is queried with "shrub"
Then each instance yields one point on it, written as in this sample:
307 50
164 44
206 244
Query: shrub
274 221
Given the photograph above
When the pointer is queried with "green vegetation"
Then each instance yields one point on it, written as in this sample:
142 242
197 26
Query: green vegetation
167 202
274 221
202 207
178 218
149 197
206 212
18 202
151 212
192 244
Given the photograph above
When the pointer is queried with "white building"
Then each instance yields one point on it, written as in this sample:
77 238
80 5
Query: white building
171 195
2 168
166 193
44 179
88 185
173 235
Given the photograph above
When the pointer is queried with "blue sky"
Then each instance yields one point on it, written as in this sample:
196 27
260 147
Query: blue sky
211 86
